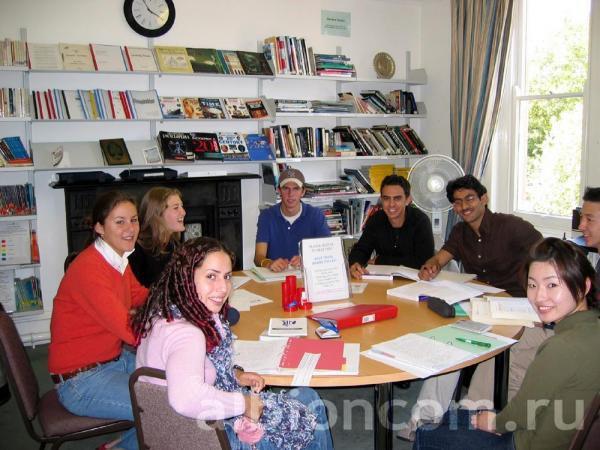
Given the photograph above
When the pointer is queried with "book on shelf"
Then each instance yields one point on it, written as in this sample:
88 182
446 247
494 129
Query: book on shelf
108 58
76 57
145 104
44 56
28 295
211 108
256 108
236 108
173 59
259 148
13 53
254 63
175 145
114 152
361 178
140 59
191 108
233 147
232 62
14 102
204 60
171 108
13 152
17 200
205 146
115 101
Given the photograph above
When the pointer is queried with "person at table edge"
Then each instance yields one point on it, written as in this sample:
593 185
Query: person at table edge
399 233
282 226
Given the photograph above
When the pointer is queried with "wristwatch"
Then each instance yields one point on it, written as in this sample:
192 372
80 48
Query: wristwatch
266 262
240 368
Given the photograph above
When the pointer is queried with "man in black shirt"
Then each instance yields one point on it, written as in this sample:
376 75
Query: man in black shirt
400 234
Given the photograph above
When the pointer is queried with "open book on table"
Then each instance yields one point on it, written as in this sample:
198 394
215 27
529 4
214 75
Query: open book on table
385 272
264 275
436 350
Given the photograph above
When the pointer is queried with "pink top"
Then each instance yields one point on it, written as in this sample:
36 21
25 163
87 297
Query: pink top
179 348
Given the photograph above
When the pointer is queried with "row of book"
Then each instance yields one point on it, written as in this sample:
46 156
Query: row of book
14 102
328 188
13 152
13 53
379 140
17 200
355 213
213 108
168 59
289 55
375 102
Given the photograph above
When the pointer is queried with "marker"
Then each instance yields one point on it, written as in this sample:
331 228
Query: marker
472 342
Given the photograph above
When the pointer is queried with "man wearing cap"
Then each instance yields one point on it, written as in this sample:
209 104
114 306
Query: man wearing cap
282 226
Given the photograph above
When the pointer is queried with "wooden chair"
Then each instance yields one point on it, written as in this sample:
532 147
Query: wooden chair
588 438
56 423
153 415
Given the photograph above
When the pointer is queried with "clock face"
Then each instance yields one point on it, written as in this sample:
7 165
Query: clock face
150 18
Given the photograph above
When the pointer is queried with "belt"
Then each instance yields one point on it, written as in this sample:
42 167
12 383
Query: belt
58 378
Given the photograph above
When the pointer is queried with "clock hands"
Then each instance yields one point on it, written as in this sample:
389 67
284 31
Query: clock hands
149 10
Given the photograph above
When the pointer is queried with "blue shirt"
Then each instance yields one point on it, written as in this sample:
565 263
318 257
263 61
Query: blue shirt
282 239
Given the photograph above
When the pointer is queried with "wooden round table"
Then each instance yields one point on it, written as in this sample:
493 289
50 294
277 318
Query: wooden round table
413 317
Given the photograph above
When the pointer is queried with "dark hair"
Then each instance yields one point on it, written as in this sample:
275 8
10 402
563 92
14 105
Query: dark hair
176 287
104 204
571 264
154 236
465 182
592 194
396 180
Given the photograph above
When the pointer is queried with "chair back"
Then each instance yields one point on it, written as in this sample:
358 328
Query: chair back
21 377
159 426
588 437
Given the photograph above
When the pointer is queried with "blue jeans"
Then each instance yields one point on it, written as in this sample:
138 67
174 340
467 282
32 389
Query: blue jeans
103 392
454 432
322 435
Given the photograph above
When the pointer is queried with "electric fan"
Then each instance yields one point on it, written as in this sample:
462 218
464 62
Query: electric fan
428 179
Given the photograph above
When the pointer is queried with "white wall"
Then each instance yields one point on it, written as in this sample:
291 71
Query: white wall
394 26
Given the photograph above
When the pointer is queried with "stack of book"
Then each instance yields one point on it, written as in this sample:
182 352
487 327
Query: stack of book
14 102
95 104
17 200
13 53
293 106
328 65
378 101
360 106
327 188
320 106
13 152
289 55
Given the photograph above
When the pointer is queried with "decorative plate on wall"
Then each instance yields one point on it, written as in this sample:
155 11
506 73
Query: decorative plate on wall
384 65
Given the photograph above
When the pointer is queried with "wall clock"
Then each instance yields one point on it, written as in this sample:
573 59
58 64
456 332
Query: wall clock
150 18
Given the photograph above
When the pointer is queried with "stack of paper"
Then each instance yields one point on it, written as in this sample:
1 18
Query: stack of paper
503 311
243 300
449 291
433 351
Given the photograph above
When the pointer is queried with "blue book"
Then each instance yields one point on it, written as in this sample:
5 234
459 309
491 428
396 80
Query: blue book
16 147
259 147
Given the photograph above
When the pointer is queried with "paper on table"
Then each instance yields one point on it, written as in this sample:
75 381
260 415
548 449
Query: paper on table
306 369
414 352
259 356
238 281
264 275
512 308
481 312
486 288
447 335
243 300
386 272
450 291
358 288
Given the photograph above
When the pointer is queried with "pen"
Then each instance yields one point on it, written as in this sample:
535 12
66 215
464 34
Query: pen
472 342
329 326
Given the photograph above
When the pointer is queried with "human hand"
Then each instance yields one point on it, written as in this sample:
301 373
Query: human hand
485 421
252 380
279 265
254 407
296 262
429 270
357 271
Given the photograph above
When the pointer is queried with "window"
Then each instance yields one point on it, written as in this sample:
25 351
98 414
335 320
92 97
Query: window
550 72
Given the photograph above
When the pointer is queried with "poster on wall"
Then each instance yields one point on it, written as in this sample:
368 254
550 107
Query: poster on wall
336 23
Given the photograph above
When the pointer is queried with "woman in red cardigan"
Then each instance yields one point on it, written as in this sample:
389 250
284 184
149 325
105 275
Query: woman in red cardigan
90 318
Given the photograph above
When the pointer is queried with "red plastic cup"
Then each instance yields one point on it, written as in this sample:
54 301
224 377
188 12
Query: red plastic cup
285 295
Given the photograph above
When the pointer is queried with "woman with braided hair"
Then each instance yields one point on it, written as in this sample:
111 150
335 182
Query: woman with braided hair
183 330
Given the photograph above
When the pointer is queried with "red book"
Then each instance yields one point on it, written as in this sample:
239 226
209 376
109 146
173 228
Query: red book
332 353
123 98
51 102
112 105
128 58
356 315
48 108
93 57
